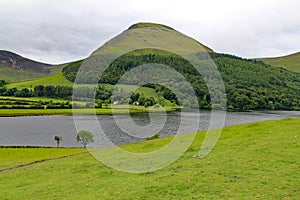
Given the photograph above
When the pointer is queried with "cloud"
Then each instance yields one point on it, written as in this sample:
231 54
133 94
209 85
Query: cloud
60 31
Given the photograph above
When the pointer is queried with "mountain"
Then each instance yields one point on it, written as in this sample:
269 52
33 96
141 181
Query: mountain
140 36
14 67
159 36
249 84
289 62
18 62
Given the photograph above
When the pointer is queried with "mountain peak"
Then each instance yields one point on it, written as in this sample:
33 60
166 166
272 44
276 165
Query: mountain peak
148 25
155 36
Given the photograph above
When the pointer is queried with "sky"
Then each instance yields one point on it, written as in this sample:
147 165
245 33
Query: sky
59 31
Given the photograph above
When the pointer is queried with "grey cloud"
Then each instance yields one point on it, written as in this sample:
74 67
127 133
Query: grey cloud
60 31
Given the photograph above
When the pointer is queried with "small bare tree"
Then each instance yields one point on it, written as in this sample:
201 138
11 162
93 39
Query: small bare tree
57 139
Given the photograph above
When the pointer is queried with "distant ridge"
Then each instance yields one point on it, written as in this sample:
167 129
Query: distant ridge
290 62
18 62
14 68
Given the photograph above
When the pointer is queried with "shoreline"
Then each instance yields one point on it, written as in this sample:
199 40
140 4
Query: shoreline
130 143
84 111
104 111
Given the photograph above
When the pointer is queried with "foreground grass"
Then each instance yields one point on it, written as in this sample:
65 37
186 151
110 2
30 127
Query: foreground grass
252 161
15 156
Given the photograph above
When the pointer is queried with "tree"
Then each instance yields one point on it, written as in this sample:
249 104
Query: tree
57 139
2 83
85 137
135 97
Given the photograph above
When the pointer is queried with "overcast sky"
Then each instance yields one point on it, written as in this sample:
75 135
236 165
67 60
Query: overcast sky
57 31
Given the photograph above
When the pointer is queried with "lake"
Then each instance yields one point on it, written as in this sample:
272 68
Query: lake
40 130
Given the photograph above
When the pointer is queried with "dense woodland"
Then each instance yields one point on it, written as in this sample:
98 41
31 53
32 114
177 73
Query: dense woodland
249 84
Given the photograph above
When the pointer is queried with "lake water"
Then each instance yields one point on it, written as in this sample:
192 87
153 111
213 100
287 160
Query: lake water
40 130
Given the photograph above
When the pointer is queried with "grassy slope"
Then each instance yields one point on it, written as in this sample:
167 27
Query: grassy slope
56 79
161 38
252 161
57 69
13 75
290 62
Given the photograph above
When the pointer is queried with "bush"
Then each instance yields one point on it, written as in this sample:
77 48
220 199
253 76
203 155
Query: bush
156 136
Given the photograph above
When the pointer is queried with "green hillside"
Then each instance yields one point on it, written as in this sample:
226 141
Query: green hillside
158 36
15 68
251 161
289 62
16 75
56 79
13 75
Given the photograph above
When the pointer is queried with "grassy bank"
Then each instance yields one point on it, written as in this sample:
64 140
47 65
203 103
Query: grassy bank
251 161
120 109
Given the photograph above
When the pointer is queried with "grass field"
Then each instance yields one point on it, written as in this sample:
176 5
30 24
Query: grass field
59 79
290 62
251 161
33 99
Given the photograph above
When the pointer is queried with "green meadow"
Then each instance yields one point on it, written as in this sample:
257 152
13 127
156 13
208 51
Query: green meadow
250 161
56 79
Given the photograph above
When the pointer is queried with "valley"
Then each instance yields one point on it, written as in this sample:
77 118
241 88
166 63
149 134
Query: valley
250 84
